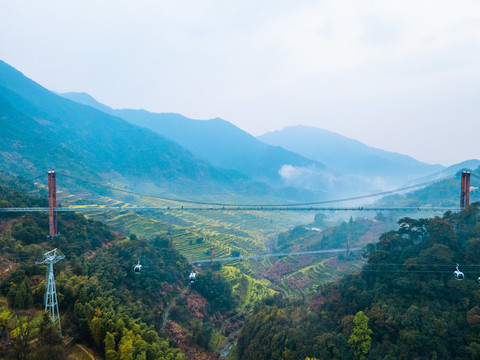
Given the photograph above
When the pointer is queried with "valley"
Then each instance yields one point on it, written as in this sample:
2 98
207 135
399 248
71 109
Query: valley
167 192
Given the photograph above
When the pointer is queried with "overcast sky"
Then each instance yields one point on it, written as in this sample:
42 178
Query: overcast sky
402 75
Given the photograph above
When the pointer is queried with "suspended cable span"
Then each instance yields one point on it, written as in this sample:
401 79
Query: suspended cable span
275 255
426 265
186 201
15 258
144 195
222 208
417 271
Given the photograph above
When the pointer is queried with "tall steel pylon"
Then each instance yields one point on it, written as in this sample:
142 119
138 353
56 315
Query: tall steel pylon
50 299
52 203
465 191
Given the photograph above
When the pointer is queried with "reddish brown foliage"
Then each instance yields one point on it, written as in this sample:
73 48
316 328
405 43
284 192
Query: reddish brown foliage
197 305
192 351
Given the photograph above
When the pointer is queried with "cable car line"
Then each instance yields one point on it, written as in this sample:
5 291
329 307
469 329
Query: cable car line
415 271
213 206
410 187
429 265
259 256
304 206
223 208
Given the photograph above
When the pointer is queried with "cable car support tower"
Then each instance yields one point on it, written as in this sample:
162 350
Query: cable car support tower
51 302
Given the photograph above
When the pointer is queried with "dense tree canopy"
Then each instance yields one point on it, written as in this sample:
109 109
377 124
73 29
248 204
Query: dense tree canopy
412 306
102 301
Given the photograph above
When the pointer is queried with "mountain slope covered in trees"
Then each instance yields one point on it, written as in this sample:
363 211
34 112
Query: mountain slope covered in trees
42 131
103 303
404 303
443 193
216 140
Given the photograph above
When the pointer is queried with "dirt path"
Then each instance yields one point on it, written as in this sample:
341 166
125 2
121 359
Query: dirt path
165 316
86 351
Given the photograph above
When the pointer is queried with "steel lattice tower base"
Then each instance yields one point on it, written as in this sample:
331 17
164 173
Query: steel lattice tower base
51 302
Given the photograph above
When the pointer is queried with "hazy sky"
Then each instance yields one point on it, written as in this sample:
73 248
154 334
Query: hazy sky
402 75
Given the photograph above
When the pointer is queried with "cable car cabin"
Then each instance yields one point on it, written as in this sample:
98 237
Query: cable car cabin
457 274
137 268
192 277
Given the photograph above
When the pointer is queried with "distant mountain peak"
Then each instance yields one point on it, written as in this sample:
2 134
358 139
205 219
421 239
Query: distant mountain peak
42 131
215 140
87 99
349 155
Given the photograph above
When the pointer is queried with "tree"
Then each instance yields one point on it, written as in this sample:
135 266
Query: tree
97 330
125 348
110 353
360 341
49 344
22 336
48 333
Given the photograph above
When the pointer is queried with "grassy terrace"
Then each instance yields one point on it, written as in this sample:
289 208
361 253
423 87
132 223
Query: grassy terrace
193 233
247 289
243 233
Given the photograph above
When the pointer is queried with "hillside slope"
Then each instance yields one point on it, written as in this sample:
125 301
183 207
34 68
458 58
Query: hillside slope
404 303
443 193
101 301
450 170
43 131
349 156
217 141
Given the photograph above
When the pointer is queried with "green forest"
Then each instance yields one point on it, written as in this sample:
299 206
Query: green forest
403 304
102 302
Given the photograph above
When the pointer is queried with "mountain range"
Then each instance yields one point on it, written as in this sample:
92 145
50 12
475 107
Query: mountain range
301 156
170 153
350 156
42 131
216 141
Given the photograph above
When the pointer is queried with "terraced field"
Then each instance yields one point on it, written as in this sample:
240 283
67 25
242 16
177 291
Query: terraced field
317 274
247 289
231 233
194 232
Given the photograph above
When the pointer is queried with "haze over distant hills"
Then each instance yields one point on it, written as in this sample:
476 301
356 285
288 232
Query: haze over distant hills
43 131
359 168
217 141
472 164
350 156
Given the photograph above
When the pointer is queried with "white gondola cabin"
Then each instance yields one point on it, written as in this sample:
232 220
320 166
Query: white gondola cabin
457 274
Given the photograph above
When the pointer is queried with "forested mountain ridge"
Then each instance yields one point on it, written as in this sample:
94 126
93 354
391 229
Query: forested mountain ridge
103 303
404 303
443 193
97 290
43 131
450 170
216 140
